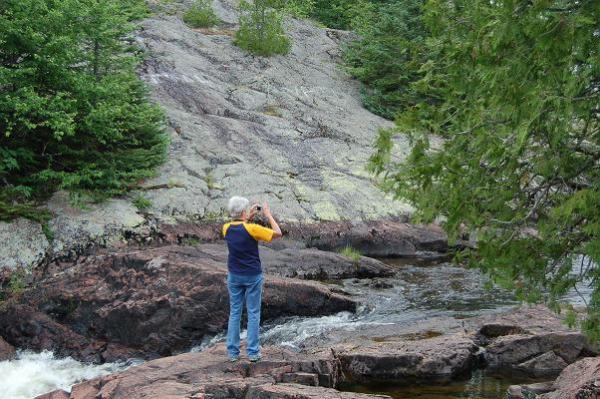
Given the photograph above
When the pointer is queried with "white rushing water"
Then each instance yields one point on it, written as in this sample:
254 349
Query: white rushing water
32 374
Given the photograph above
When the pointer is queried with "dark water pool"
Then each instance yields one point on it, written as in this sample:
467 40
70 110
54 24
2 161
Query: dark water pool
479 386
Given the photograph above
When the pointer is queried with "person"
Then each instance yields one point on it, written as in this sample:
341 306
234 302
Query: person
245 277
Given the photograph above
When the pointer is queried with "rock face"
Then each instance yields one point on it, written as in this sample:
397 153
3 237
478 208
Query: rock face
23 244
532 341
290 129
280 375
372 238
581 380
148 302
7 352
437 359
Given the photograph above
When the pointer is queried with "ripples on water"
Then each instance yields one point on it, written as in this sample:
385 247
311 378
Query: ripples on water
32 374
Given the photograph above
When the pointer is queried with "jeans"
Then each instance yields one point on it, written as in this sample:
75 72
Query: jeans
250 288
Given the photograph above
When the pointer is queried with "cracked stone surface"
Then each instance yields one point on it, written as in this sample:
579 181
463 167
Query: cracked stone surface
287 129
290 129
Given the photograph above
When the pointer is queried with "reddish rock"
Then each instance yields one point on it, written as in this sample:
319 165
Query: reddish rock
541 355
210 375
371 238
295 391
32 329
523 320
437 359
305 263
531 340
7 351
580 380
55 395
152 302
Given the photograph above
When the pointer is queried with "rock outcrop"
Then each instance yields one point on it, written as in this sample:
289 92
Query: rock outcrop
439 359
380 238
280 375
151 303
580 380
7 351
289 129
532 341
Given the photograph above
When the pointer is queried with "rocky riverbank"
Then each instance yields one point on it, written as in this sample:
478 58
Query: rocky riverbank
321 372
155 302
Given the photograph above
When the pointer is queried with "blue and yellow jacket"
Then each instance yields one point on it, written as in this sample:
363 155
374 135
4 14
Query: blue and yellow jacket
242 241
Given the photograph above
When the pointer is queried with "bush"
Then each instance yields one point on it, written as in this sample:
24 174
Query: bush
261 28
388 59
73 113
351 253
142 203
343 14
200 15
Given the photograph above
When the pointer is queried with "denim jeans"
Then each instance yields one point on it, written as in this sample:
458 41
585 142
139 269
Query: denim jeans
250 288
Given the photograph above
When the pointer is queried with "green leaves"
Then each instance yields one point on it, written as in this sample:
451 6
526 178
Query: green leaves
512 89
261 28
73 113
386 58
200 15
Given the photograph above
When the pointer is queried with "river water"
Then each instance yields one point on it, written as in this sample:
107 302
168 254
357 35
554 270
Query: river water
441 296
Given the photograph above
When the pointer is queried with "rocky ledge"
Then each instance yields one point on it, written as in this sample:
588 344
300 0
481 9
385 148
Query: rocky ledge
580 380
321 372
281 374
156 302
532 342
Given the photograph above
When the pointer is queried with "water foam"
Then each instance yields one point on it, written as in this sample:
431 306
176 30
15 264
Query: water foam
32 374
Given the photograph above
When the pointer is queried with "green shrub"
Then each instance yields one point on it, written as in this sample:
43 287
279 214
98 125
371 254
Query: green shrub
74 115
261 28
142 203
343 14
201 15
351 253
17 281
300 8
387 58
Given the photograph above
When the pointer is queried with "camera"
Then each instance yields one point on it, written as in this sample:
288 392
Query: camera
259 208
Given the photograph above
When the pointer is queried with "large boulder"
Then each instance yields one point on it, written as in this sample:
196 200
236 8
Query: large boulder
580 380
23 244
438 359
541 355
380 238
532 341
280 375
307 263
154 302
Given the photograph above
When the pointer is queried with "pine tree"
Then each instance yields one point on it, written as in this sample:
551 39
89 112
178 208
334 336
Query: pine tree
261 28
513 87
387 58
73 113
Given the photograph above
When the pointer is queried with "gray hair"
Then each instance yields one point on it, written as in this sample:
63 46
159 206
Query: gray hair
237 205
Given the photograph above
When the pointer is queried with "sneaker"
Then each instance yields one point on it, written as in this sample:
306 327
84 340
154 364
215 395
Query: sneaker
234 359
254 358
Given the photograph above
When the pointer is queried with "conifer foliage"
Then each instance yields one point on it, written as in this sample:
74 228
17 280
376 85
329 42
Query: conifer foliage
387 58
73 113
261 29
513 87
